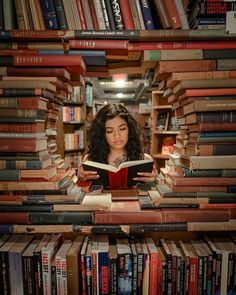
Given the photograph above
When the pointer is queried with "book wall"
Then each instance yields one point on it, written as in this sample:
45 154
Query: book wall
117 15
202 165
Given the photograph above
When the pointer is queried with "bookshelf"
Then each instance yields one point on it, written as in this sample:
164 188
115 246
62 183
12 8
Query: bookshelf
81 222
73 123
162 133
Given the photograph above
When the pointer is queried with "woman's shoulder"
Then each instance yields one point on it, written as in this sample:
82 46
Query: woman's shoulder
147 157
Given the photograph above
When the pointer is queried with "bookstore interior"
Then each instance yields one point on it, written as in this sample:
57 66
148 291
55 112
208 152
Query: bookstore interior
172 64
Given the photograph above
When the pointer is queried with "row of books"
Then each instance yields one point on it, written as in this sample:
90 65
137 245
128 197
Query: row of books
210 14
97 264
93 15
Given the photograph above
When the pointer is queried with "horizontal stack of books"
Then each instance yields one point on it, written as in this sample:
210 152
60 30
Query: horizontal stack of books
203 165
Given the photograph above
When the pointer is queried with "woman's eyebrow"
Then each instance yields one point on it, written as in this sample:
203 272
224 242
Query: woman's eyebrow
122 125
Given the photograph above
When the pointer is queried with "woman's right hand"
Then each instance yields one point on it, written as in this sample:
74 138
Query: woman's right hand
85 175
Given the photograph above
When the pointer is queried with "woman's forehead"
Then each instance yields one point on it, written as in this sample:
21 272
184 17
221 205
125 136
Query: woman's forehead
115 122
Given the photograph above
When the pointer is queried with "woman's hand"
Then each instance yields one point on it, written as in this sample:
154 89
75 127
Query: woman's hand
85 175
147 176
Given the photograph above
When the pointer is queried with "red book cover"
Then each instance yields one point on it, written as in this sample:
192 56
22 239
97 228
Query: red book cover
126 15
118 180
127 212
81 14
194 215
208 92
173 14
41 34
215 126
61 72
23 144
14 218
49 60
182 45
10 52
112 46
93 15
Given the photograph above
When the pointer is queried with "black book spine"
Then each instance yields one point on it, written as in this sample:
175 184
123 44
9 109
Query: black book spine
60 12
110 14
105 15
61 218
117 15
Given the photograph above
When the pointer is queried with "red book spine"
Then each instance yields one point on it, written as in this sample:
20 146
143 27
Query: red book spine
48 60
214 126
193 276
98 44
81 14
39 34
173 14
14 218
19 127
182 45
126 15
93 15
194 215
10 52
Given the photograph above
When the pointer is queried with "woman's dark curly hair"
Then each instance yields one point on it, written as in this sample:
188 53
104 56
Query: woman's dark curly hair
98 148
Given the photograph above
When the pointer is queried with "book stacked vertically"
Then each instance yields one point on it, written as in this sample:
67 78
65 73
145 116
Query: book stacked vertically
203 165
209 14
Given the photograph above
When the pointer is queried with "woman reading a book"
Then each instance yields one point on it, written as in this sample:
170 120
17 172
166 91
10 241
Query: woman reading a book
114 139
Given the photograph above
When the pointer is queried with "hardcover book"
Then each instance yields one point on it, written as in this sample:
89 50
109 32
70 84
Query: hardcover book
119 177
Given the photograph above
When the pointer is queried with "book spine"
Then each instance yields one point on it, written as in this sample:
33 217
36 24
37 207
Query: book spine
162 10
99 14
126 15
87 14
81 14
147 15
93 15
43 60
105 15
117 15
49 14
110 14
173 14
61 16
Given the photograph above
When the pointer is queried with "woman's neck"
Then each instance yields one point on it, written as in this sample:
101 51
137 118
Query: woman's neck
116 157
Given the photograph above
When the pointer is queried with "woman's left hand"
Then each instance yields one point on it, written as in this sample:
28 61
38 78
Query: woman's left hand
146 176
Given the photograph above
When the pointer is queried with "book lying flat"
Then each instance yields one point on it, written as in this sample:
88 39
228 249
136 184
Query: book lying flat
120 177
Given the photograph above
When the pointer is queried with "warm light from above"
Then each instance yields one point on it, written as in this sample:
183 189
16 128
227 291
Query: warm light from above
119 80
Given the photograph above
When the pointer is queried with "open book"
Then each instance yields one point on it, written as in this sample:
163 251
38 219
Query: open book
120 177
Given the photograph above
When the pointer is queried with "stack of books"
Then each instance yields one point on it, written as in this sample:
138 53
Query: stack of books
203 164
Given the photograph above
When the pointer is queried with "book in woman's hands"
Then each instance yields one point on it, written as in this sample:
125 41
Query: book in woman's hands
120 177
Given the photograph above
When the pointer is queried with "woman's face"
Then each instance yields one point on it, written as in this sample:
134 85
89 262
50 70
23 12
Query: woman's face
117 133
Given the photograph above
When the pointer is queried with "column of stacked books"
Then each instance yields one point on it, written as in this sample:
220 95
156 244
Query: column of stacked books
200 173
32 172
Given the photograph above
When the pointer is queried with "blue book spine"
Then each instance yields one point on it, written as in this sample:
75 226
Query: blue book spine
6 228
147 15
49 14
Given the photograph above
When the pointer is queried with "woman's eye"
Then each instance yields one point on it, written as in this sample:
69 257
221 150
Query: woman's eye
123 129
